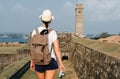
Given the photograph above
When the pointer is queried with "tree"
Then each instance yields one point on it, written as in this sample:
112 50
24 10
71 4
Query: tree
104 35
119 34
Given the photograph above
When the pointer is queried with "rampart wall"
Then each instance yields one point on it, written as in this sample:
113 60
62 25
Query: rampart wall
7 60
90 63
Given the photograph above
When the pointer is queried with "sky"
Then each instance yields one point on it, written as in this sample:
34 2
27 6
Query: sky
23 15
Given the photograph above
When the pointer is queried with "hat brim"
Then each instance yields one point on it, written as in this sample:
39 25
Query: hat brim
52 18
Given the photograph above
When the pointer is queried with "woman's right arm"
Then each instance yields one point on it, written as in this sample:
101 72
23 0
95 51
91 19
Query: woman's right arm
32 66
58 54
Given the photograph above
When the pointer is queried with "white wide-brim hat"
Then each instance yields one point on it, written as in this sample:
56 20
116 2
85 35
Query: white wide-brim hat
46 16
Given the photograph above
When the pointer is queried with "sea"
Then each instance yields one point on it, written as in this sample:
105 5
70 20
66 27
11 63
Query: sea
13 37
20 40
21 37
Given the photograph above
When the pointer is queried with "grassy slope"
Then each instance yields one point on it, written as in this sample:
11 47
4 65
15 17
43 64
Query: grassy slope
18 64
9 49
111 49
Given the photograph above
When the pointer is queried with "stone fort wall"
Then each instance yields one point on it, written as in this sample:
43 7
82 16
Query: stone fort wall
90 63
7 60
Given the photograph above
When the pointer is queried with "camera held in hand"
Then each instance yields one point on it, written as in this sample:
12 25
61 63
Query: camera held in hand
61 74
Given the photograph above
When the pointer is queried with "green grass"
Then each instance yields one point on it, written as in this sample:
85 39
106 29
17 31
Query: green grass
27 46
108 48
9 49
29 75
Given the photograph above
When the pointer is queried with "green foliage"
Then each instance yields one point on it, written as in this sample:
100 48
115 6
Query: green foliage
104 35
119 33
96 37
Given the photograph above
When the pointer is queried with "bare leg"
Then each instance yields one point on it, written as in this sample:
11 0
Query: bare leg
40 75
49 74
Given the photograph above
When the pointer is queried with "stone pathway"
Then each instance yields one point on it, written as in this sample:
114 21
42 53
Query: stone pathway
69 73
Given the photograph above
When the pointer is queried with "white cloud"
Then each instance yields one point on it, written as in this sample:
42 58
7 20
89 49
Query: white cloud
68 4
102 10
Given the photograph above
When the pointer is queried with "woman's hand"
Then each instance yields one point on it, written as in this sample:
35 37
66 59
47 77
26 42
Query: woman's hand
62 67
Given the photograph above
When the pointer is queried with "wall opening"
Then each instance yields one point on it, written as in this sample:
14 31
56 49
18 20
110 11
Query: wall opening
64 58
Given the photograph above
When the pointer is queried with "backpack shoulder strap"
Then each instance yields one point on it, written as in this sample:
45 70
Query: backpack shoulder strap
37 31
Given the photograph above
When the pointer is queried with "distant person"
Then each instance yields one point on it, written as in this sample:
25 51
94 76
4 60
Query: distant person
48 71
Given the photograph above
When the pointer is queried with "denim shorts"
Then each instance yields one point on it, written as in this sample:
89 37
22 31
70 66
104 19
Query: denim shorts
42 68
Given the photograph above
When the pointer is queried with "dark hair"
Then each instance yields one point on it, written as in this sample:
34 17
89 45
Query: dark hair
46 24
45 31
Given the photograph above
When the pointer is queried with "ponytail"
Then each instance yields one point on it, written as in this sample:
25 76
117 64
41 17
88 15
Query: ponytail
46 24
46 30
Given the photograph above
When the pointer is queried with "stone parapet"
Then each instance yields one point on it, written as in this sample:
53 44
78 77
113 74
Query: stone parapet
7 60
92 64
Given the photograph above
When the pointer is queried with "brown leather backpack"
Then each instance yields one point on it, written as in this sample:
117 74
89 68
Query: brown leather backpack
40 53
